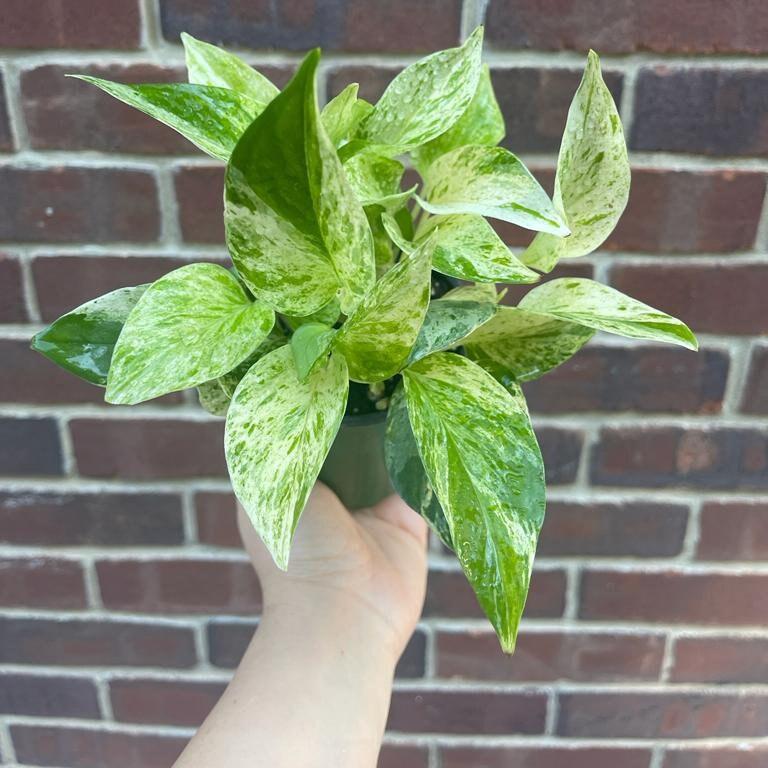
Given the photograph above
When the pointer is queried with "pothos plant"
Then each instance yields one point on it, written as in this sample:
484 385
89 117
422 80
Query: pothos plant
337 277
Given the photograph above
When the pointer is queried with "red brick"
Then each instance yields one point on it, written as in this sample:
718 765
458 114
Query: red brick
12 305
467 712
90 519
625 26
744 755
6 137
397 756
629 529
373 80
62 24
674 597
755 398
42 583
166 702
663 457
561 450
710 299
667 715
95 643
179 586
720 660
29 447
544 757
70 204
216 519
148 448
199 192
91 748
733 531
690 211
551 656
48 696
450 596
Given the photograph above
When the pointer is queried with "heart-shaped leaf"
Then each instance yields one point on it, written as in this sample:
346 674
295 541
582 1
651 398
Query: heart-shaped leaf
477 444
213 398
83 341
279 431
189 327
376 180
343 113
309 344
231 379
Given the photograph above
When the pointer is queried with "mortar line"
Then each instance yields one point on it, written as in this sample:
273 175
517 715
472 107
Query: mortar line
472 15
667 659
6 743
761 238
68 460
28 288
12 77
692 532
738 372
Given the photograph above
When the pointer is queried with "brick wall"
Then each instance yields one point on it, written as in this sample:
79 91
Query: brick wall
125 599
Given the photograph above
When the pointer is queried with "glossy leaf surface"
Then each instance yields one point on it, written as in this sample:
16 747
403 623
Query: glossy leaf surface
343 113
309 344
229 381
376 180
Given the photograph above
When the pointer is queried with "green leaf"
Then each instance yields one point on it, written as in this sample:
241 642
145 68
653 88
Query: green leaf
296 232
406 471
211 118
467 247
309 344
447 322
378 337
483 292
477 444
231 379
279 431
518 345
597 306
392 228
482 123
593 176
83 340
384 253
489 181
343 113
213 398
190 326
426 98
210 65
327 315
376 180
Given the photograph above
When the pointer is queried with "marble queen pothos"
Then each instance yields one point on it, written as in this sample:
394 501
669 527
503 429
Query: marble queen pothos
333 263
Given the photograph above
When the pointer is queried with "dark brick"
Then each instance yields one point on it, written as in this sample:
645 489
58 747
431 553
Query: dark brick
535 104
91 748
90 519
733 531
61 24
29 447
201 210
755 398
38 582
720 660
561 450
48 696
398 756
625 26
544 757
742 756
630 529
12 305
70 204
467 712
217 519
6 137
179 586
373 80
663 457
551 656
668 715
95 643
707 111
674 597
146 449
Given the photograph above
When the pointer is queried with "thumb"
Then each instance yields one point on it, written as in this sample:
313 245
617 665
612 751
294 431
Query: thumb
395 511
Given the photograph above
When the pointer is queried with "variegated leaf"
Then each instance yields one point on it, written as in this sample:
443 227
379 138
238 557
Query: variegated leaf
489 181
279 431
597 306
327 315
376 180
210 65
592 181
477 444
342 114
481 123
213 398
378 337
211 118
229 381
190 326
482 292
309 344
426 98
83 340
519 345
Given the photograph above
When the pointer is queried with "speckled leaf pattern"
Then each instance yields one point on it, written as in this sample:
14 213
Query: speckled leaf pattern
211 118
447 322
279 431
406 471
518 345
343 113
231 379
192 325
426 98
477 444
213 398
375 180
83 340
392 228
481 123
468 247
327 315
309 344
378 337
477 292
598 306
210 65
593 176
489 181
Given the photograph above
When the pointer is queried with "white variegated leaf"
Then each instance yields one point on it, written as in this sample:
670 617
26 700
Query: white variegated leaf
482 292
213 398
310 344
376 180
342 114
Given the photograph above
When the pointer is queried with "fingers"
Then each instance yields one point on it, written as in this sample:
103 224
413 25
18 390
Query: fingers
395 511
